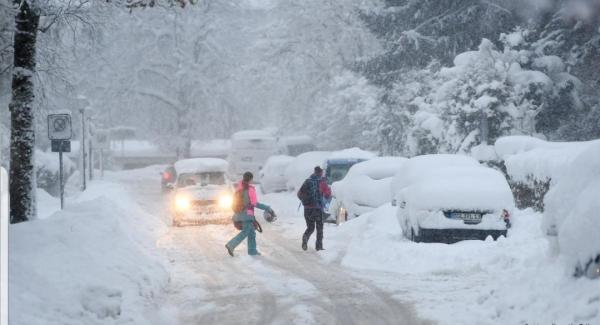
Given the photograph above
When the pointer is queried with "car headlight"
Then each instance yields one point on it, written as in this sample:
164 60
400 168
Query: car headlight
225 201
182 203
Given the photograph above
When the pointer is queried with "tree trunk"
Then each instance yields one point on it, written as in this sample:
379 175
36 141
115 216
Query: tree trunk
22 137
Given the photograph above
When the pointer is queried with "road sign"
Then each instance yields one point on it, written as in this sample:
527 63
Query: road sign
102 139
60 145
59 127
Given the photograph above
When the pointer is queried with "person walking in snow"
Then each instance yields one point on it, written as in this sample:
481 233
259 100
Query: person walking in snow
246 215
313 194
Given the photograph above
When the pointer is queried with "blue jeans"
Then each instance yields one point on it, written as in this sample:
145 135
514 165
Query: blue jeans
247 231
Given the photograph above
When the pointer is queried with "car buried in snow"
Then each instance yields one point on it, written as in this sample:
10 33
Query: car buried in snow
272 176
365 187
202 192
449 198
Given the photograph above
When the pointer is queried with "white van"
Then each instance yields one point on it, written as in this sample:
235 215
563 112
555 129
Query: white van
250 150
296 145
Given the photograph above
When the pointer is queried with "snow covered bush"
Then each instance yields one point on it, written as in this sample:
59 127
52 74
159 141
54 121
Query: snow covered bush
572 209
533 166
47 173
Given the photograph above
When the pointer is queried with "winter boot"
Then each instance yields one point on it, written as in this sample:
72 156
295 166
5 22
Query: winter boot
229 250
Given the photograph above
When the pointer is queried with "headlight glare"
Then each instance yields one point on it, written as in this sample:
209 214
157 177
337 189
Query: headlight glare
182 203
225 201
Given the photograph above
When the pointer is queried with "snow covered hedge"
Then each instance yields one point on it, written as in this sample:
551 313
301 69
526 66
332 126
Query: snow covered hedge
533 166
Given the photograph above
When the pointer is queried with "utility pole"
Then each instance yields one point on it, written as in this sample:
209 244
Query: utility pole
91 139
82 149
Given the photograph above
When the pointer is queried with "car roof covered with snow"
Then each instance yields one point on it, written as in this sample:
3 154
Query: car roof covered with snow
419 165
351 153
201 165
378 167
459 187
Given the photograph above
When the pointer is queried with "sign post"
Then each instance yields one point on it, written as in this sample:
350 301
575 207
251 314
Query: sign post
102 144
60 133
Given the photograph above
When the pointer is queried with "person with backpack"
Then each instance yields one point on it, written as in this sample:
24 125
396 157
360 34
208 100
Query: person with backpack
244 202
313 194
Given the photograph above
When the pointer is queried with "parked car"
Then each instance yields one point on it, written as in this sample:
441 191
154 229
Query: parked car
448 198
338 164
302 167
202 192
272 176
571 213
168 178
366 187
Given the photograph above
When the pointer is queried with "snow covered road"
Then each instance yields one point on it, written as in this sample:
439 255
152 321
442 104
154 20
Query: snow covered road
283 286
112 258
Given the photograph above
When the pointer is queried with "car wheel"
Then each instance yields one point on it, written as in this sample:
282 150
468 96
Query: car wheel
413 236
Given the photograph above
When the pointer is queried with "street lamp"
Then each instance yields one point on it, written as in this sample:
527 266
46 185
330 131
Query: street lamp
83 106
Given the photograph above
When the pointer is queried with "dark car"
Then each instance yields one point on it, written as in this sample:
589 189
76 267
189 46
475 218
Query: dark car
336 169
167 179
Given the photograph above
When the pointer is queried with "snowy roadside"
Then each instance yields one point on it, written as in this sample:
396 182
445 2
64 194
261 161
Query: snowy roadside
515 280
92 263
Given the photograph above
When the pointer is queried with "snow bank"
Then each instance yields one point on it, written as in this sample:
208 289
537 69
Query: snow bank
200 165
46 204
86 265
509 281
303 166
572 207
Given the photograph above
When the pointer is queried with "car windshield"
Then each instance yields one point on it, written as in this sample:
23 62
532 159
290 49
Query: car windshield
337 172
202 179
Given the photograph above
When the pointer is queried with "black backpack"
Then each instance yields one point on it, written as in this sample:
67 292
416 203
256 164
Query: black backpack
309 193
238 201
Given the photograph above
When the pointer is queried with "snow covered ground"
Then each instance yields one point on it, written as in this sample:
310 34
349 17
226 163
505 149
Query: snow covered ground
109 258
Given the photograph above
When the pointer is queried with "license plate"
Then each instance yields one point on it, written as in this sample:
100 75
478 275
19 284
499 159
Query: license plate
467 217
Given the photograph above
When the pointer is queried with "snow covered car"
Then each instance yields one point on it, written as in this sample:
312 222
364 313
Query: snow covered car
448 198
202 192
272 176
365 187
571 212
302 167
338 163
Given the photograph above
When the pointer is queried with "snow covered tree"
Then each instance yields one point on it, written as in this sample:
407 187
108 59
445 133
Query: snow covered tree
344 117
416 32
22 144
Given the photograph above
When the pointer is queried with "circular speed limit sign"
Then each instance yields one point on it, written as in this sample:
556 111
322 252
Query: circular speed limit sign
59 126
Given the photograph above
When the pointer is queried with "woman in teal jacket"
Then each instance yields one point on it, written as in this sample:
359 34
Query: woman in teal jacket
246 216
